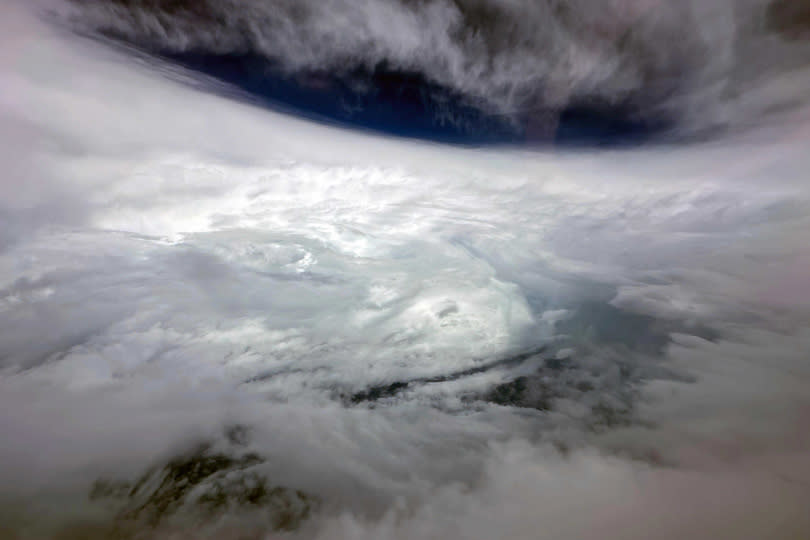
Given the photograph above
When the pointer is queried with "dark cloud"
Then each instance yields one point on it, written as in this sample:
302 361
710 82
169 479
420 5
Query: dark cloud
473 70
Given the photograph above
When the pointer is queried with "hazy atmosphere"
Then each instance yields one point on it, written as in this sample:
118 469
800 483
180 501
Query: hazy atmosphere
405 269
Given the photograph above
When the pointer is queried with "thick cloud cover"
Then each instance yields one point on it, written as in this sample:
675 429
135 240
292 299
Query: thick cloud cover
173 263
694 67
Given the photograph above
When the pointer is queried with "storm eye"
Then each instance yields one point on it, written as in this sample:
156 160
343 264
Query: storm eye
244 293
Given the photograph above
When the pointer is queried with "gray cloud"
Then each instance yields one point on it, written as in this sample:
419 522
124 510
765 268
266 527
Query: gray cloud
705 64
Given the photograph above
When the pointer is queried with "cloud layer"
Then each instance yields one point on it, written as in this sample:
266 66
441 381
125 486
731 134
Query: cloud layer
173 263
692 66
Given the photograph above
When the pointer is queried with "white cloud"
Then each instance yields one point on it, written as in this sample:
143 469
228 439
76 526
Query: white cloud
163 246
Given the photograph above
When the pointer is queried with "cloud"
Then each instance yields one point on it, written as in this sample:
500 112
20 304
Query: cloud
178 262
706 66
526 493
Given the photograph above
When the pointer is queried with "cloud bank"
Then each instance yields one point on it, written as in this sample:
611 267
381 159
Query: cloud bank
689 68
174 263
